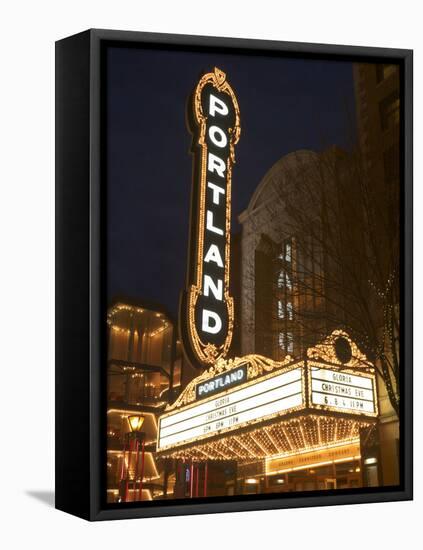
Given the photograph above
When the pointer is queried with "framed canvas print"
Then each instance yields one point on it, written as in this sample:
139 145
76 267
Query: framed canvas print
234 255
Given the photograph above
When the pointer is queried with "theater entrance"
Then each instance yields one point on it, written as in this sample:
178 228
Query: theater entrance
346 475
336 467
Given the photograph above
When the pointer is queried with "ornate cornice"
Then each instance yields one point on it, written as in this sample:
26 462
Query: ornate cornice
326 351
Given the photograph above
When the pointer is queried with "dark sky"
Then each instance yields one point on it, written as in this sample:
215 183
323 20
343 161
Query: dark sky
285 105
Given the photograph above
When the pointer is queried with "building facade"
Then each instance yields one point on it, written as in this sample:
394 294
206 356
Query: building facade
378 109
308 266
143 374
283 259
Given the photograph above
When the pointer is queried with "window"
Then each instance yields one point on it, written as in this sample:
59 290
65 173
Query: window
383 71
285 311
289 311
284 280
286 341
286 252
289 342
283 297
389 111
281 279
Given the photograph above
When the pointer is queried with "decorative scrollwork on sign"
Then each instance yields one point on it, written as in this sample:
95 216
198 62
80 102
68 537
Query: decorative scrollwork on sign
339 349
257 365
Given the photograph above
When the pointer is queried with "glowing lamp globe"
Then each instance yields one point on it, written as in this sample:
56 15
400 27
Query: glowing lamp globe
136 422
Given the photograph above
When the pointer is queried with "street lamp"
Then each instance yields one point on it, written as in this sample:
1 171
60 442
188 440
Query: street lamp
133 439
136 422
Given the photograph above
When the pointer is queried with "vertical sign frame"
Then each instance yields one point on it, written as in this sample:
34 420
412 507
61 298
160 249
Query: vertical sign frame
214 120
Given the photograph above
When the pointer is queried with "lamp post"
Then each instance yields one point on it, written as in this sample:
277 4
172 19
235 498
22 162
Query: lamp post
134 439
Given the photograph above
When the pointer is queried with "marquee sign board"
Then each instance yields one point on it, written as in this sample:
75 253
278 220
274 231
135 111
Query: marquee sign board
267 397
207 309
342 391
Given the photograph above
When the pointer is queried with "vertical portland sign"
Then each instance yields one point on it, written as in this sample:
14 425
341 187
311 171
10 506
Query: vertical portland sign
207 309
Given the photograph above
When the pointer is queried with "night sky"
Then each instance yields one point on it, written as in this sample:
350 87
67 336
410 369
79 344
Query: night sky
285 105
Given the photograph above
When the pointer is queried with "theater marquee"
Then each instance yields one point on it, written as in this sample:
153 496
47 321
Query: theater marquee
256 403
207 309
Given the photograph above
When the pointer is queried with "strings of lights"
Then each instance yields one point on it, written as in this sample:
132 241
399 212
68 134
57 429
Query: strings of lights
124 307
132 309
151 334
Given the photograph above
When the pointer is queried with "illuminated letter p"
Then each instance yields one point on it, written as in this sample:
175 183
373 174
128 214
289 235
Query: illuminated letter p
217 106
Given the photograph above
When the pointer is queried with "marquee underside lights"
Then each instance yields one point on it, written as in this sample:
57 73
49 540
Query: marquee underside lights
281 408
207 309
284 438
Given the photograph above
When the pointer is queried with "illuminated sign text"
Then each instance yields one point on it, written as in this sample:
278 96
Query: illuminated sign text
222 382
343 391
207 308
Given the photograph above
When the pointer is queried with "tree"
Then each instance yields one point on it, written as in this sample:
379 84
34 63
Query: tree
331 261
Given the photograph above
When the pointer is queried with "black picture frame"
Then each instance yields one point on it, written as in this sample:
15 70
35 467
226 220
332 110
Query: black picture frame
80 279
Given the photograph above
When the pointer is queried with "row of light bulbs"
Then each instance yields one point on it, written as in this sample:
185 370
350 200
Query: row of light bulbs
153 333
289 437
